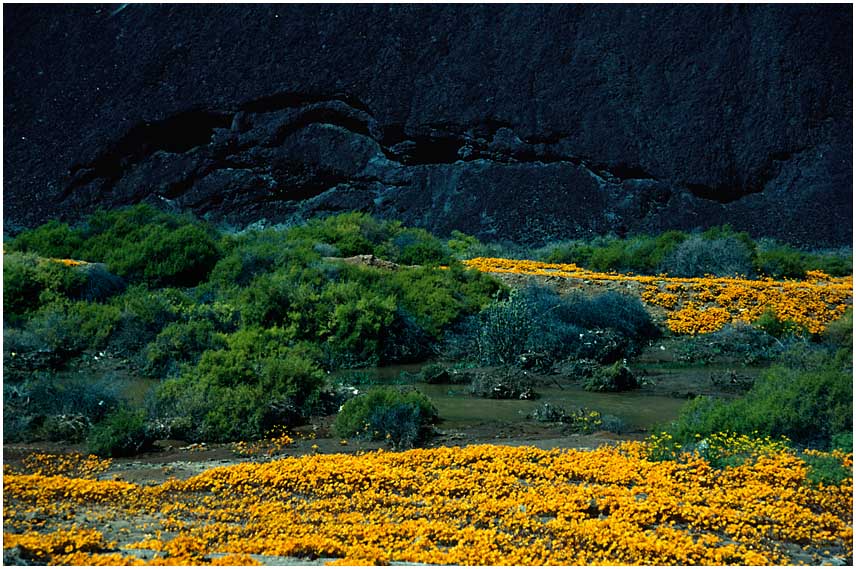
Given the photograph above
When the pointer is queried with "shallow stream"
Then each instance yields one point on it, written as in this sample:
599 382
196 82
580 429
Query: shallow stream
458 408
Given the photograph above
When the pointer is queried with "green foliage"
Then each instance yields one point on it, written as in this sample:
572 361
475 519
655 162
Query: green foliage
403 418
122 433
843 441
463 246
415 246
615 377
828 470
357 321
178 343
160 256
808 403
53 239
29 282
352 233
286 297
438 298
257 252
746 343
769 322
729 252
537 322
505 328
839 334
21 286
72 327
259 380
641 253
783 261
139 243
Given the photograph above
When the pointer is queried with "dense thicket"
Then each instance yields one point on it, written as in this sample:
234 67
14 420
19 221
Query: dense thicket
240 327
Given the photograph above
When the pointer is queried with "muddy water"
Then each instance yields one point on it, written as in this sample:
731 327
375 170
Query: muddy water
638 409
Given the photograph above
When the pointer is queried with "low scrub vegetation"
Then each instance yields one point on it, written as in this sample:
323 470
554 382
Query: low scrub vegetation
403 418
241 328
807 398
537 326
718 251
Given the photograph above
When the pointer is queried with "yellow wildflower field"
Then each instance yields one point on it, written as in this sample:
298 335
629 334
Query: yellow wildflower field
475 505
702 305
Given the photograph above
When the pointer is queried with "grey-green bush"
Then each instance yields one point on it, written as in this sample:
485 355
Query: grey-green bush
697 256
386 413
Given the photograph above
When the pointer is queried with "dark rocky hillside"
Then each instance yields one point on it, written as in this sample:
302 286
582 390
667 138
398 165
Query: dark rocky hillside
519 122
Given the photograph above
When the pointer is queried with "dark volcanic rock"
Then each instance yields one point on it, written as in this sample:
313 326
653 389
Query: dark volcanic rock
521 122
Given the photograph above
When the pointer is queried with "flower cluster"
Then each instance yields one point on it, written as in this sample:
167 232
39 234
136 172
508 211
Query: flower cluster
706 304
476 505
275 441
44 547
74 465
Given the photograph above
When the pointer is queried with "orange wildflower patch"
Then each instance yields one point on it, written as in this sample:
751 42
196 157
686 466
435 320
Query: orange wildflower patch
477 505
706 304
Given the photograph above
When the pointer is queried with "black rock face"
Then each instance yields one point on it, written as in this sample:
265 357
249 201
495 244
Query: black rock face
527 123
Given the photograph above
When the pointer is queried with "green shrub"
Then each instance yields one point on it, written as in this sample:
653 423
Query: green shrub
641 253
438 298
72 327
783 261
807 405
99 284
160 256
770 323
290 296
253 253
44 407
403 418
839 334
29 282
843 441
352 233
122 433
827 470
615 377
623 313
536 325
463 246
738 341
257 382
143 314
21 286
139 243
357 321
179 343
505 327
415 246
53 239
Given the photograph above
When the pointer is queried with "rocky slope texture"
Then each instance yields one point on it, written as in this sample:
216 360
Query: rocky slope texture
520 122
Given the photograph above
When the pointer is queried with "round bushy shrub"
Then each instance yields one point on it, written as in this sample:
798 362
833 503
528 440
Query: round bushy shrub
616 377
122 433
403 418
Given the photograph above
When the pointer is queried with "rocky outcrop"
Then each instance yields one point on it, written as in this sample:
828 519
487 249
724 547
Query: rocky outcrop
527 123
